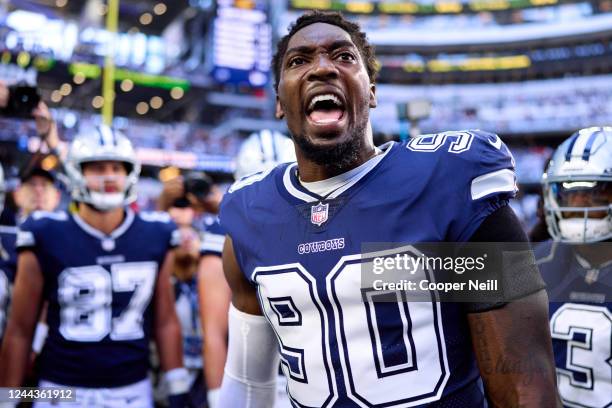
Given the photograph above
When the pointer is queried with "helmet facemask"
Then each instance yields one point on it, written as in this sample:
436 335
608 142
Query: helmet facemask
104 144
99 198
579 211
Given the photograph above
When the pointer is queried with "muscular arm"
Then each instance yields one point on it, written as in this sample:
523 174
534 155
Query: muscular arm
512 342
252 356
244 296
25 307
514 353
214 297
167 328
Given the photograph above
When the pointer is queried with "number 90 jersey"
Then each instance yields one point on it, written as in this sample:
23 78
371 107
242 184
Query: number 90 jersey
99 289
340 346
580 323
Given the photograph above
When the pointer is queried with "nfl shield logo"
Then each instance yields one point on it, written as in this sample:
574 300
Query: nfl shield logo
318 213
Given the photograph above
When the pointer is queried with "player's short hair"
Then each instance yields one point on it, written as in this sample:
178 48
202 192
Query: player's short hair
334 18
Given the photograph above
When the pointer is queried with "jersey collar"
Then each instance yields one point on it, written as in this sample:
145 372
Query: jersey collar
296 190
120 230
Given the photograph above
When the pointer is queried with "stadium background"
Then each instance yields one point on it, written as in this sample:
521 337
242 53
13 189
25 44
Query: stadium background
193 77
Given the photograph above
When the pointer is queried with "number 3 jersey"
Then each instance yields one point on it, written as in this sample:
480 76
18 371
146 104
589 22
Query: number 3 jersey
339 346
100 293
580 322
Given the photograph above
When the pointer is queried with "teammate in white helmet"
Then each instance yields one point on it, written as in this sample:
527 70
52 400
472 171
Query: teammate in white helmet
105 273
577 265
578 187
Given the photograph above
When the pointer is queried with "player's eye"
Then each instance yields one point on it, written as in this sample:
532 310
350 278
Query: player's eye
295 61
346 56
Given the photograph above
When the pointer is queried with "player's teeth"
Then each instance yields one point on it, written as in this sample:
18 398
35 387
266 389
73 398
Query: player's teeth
325 97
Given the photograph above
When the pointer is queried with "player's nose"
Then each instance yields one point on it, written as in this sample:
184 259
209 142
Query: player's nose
579 200
323 68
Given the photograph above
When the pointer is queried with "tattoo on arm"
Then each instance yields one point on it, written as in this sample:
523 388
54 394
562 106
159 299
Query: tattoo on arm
514 353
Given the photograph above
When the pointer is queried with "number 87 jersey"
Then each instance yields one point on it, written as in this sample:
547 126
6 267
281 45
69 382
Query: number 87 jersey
99 289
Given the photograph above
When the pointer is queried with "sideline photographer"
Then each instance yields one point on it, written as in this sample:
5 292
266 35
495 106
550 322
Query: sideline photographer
196 187
15 102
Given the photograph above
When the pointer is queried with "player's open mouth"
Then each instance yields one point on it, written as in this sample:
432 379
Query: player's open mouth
325 109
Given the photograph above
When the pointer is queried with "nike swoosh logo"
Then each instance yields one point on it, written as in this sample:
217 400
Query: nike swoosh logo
497 143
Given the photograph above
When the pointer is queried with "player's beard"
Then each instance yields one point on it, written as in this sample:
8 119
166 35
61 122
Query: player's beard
339 157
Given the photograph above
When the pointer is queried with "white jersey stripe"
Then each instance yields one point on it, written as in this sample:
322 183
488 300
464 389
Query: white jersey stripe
495 182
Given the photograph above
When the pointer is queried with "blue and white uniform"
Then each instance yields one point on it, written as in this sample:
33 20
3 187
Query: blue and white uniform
8 269
580 323
303 252
213 239
100 290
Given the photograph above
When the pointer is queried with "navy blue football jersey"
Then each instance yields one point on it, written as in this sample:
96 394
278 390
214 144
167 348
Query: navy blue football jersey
339 346
8 267
213 239
188 312
580 323
100 292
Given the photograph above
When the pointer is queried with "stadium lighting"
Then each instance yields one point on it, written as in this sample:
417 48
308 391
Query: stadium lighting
159 9
56 96
65 89
97 102
142 108
78 78
177 93
169 173
156 102
146 19
49 162
127 85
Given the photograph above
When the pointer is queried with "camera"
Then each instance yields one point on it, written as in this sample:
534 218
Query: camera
198 184
23 99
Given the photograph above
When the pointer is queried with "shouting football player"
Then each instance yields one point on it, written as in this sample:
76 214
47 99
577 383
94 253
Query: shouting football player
293 254
577 265
105 273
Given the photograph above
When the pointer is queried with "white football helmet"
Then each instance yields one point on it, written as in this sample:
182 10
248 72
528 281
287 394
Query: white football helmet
262 151
104 143
578 187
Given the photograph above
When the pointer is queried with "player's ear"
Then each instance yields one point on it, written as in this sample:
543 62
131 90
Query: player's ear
279 110
373 102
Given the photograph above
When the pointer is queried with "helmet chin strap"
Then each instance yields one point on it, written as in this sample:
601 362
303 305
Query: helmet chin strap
106 201
585 230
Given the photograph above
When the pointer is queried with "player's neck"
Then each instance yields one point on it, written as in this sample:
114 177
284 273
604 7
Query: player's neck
596 254
310 171
103 221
